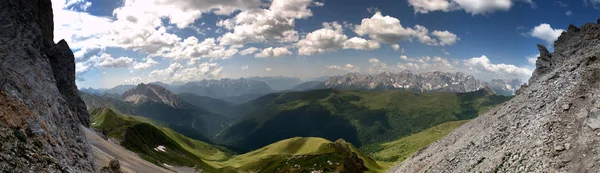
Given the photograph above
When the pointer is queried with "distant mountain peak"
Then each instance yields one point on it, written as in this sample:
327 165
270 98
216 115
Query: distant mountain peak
154 93
435 81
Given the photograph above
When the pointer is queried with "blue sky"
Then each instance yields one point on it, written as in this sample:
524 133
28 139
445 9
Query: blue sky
128 42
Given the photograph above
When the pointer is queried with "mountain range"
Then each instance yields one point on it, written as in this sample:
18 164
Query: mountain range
423 82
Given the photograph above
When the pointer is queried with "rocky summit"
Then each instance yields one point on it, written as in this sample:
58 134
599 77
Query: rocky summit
40 111
552 125
154 93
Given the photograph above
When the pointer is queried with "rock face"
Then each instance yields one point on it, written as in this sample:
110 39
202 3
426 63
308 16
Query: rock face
550 126
154 93
424 82
40 112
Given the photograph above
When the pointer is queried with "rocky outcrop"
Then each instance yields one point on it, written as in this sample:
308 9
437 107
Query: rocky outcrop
552 125
39 109
62 62
113 167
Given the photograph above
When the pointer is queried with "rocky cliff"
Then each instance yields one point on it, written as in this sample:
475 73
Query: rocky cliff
40 112
552 125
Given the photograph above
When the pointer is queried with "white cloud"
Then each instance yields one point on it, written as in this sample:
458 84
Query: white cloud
327 39
425 6
483 64
177 73
480 67
248 51
594 3
268 69
275 24
271 52
360 44
348 68
385 29
473 7
292 8
165 74
532 59
389 30
377 66
107 61
257 26
245 67
330 38
134 81
191 48
569 13
319 4
202 71
396 47
144 65
445 37
546 32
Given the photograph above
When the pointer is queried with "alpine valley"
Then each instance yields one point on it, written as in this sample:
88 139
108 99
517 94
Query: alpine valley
113 86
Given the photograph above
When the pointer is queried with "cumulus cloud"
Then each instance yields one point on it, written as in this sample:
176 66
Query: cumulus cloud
376 66
144 64
425 6
327 39
275 24
445 37
483 64
348 68
248 51
165 74
107 61
480 67
546 32
474 7
268 69
361 44
245 67
271 52
178 73
330 38
396 47
532 59
389 30
594 3
192 48
569 13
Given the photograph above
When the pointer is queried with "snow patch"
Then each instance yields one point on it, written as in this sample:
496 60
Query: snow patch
161 148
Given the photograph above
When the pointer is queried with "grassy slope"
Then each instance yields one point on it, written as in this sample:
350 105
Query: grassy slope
141 135
399 150
361 118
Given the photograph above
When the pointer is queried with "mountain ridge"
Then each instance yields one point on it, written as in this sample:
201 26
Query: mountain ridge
422 82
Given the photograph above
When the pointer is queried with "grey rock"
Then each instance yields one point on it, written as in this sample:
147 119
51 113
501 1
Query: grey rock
62 62
566 107
560 77
39 126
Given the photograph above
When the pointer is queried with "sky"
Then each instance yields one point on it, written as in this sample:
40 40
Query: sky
174 41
